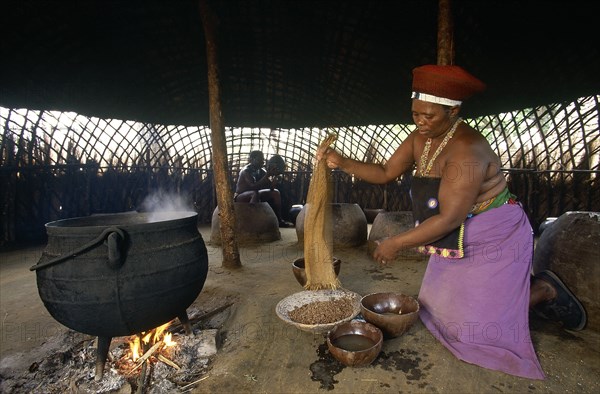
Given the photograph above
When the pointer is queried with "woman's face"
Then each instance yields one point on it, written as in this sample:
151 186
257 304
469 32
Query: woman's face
432 119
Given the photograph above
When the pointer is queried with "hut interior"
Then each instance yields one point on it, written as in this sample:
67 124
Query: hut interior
103 103
105 107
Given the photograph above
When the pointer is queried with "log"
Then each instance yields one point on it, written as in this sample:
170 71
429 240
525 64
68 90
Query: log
230 249
445 34
140 361
167 361
174 327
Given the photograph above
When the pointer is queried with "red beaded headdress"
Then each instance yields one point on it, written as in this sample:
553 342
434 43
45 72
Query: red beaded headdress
447 85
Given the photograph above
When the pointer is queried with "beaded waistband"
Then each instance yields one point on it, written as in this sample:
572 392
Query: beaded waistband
505 197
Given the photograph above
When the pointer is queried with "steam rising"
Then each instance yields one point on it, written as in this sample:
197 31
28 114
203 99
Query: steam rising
161 202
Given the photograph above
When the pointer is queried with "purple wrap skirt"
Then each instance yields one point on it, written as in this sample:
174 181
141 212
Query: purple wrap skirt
478 306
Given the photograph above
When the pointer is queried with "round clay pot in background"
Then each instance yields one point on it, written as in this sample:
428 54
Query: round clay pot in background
388 224
349 225
255 223
569 247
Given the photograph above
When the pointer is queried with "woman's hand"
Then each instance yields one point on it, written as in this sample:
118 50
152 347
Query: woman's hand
331 157
385 252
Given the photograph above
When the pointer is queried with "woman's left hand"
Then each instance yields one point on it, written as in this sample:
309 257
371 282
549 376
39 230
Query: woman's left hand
386 251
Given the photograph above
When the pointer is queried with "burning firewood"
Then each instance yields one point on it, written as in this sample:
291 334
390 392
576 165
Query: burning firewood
140 361
168 362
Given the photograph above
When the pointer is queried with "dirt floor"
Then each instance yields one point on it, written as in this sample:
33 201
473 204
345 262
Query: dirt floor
259 353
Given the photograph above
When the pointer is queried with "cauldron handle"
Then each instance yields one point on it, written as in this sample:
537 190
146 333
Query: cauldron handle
115 237
114 241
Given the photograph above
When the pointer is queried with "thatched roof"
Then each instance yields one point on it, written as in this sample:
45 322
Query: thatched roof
287 63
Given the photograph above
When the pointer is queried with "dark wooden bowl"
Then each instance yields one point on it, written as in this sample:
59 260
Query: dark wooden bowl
300 273
393 313
369 336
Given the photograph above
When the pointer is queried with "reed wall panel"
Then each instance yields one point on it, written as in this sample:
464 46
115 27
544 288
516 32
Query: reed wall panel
58 165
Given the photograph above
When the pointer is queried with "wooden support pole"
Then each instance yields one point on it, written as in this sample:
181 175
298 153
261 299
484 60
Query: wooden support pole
231 254
445 34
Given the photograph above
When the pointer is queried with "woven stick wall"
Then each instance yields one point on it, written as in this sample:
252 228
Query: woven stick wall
58 165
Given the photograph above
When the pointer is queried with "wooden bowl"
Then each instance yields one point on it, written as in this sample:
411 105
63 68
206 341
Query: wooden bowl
393 313
300 273
355 343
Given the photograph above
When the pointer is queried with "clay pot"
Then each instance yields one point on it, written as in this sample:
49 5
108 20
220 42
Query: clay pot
545 224
569 247
255 223
300 273
294 211
371 214
355 343
392 313
388 224
349 225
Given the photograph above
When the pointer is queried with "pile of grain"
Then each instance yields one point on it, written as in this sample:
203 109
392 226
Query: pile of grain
323 312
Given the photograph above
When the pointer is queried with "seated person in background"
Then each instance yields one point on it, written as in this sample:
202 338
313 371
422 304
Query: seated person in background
255 184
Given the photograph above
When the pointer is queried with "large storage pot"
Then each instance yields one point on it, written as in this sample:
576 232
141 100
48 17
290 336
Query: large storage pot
349 225
570 247
255 223
389 224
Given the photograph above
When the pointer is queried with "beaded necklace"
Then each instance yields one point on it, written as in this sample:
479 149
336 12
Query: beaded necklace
424 167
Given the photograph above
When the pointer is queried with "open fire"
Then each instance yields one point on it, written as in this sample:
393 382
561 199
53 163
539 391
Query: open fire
163 360
145 351
156 338
148 347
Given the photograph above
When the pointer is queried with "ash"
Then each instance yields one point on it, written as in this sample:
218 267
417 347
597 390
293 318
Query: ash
71 369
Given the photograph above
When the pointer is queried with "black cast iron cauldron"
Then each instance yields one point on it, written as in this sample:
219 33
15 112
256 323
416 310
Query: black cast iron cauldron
121 274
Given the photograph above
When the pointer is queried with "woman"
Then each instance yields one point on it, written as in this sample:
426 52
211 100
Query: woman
476 291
